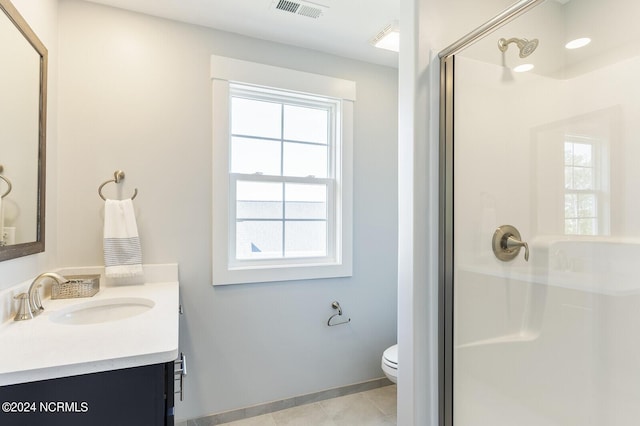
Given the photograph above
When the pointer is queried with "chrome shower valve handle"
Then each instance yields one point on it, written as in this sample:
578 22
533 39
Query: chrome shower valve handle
513 243
507 243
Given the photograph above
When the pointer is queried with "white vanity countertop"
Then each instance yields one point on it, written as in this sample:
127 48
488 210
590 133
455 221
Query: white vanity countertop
40 349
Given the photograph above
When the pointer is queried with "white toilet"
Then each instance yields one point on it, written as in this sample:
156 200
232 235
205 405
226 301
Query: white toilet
390 363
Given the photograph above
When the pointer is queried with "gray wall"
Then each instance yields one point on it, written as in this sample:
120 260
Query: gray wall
135 94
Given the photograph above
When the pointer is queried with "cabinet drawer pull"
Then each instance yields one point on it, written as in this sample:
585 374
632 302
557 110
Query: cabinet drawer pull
180 373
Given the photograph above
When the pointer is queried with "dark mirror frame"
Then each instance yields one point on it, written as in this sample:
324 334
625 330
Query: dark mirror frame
24 249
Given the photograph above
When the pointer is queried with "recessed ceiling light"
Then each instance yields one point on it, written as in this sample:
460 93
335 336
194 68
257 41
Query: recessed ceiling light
578 43
388 38
523 68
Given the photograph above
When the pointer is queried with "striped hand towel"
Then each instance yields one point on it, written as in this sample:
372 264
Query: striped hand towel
122 253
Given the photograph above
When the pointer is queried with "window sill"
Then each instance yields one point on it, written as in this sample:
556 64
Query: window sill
288 272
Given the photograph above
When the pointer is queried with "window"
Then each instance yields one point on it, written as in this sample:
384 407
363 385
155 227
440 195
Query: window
583 199
282 174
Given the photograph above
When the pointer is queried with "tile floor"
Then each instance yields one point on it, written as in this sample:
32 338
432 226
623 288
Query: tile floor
375 407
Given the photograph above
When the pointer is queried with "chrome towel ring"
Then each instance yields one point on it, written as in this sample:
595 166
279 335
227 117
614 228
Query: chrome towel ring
118 175
7 181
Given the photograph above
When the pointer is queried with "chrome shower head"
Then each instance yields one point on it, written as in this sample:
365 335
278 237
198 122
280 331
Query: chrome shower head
526 46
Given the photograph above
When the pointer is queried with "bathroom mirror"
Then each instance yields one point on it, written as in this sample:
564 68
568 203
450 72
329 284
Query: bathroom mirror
23 92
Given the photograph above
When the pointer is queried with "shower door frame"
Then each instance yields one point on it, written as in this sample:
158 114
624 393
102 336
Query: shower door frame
446 228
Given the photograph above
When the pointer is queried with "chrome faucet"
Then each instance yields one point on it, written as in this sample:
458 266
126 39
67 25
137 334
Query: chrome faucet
34 294
30 303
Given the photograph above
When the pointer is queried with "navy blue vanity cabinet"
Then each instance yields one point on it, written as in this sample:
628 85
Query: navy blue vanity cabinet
139 396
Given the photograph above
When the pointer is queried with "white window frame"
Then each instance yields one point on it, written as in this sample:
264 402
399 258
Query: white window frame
338 263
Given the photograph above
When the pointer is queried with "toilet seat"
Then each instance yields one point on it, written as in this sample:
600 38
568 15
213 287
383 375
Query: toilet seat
389 363
390 356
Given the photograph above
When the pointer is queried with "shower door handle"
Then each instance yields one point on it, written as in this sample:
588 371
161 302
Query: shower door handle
507 243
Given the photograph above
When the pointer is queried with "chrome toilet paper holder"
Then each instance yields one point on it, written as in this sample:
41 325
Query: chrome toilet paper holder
336 305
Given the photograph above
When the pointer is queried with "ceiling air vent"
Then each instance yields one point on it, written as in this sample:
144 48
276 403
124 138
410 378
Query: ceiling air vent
311 12
299 7
288 6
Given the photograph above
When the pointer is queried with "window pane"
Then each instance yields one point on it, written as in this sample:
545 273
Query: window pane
582 155
568 178
570 206
587 205
582 178
587 227
258 200
305 239
250 117
568 154
306 124
258 239
305 201
305 160
255 156
571 226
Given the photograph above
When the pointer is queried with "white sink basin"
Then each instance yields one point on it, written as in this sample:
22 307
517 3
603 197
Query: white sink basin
103 310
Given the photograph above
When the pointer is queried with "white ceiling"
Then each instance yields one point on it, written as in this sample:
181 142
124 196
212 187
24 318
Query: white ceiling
344 29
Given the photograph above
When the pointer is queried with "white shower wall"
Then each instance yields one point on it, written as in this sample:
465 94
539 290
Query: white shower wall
548 341
495 114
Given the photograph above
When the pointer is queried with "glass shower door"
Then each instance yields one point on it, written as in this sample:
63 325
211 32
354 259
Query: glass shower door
552 153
